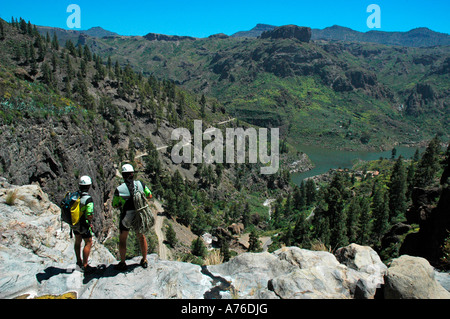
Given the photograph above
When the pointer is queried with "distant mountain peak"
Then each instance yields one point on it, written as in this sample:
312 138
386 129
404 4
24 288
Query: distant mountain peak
255 32
98 32
418 37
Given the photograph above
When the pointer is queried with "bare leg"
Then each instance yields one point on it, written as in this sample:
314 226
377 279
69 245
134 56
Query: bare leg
86 250
123 245
77 248
143 245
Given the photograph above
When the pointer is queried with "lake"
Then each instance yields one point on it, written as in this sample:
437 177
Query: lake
325 159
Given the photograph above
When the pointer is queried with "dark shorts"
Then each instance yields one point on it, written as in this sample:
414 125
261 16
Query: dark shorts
121 226
84 229
83 235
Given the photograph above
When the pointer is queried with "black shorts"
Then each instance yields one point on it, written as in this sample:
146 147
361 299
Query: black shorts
85 235
121 226
84 229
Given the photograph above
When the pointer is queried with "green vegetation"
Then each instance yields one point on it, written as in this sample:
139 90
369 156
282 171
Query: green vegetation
342 95
358 206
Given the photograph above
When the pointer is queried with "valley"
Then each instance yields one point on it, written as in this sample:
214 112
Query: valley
87 104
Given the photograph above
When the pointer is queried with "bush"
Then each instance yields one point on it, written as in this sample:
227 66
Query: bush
11 197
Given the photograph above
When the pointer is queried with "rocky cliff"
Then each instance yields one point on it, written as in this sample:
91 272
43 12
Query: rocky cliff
55 154
37 259
303 34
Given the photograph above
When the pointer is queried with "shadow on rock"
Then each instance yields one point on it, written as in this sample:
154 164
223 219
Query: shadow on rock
104 271
101 271
49 272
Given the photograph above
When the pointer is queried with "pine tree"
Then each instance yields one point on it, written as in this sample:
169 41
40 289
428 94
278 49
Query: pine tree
446 164
171 236
225 250
321 226
254 243
109 64
46 74
300 232
23 26
337 218
380 211
364 222
397 191
310 190
29 29
428 164
55 43
32 59
410 180
2 31
198 247
353 213
299 196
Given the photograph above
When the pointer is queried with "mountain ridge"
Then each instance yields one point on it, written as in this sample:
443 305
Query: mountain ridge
340 33
417 37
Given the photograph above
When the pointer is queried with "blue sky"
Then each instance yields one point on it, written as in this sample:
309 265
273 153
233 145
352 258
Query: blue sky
201 18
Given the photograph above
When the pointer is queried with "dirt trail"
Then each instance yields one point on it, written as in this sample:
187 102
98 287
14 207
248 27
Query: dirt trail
164 252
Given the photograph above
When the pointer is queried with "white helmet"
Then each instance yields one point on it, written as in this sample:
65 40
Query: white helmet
127 168
85 180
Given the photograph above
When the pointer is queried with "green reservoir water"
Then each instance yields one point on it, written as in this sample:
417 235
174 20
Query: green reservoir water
325 159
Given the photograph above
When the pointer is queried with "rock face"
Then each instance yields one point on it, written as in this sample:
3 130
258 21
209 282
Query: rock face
55 154
163 37
433 220
302 34
37 259
412 278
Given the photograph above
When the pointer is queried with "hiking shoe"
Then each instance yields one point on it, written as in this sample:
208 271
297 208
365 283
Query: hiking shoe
89 270
122 266
144 263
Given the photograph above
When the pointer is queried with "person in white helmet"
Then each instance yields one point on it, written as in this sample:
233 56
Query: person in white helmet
84 232
123 199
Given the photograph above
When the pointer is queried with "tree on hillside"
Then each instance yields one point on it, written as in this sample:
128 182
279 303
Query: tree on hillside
299 196
380 211
171 236
364 233
446 165
310 191
428 164
225 250
198 247
55 42
397 191
337 218
254 243
300 232
353 213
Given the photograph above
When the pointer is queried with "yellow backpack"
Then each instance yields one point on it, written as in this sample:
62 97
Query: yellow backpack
75 212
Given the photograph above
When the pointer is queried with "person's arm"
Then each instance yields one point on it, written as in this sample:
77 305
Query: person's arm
117 200
147 191
90 209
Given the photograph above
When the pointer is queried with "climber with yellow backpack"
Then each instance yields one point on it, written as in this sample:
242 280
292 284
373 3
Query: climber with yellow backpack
77 210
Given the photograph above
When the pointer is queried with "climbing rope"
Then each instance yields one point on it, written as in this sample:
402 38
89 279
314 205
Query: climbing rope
144 219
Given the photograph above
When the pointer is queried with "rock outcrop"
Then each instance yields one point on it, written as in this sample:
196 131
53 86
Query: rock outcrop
55 154
291 31
412 278
37 259
163 37
434 222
